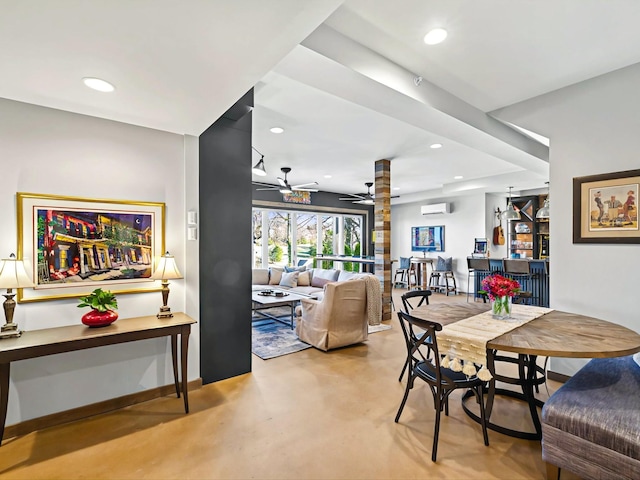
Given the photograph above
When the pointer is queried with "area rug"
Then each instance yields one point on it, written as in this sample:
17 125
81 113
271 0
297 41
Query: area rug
379 328
270 339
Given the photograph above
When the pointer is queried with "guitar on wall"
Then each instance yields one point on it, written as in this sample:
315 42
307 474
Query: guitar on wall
498 232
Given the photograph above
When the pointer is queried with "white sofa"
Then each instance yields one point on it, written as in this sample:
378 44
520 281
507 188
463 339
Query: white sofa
304 281
312 282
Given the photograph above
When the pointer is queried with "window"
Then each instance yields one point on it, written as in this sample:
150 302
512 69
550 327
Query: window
336 234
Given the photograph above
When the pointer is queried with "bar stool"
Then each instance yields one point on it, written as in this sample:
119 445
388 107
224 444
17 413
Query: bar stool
444 271
404 271
521 271
476 267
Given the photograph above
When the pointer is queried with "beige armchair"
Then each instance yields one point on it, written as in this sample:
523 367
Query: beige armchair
339 319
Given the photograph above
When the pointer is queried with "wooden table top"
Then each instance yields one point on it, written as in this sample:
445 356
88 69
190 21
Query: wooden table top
422 259
56 337
556 334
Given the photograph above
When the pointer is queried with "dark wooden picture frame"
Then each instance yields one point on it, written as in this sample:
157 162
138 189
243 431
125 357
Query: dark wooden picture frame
605 208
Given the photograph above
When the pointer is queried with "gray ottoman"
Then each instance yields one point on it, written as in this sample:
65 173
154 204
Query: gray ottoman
591 425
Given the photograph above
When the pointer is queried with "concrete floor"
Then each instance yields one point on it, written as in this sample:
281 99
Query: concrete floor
308 415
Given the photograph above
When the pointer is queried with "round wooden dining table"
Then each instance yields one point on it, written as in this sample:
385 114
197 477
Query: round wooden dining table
554 334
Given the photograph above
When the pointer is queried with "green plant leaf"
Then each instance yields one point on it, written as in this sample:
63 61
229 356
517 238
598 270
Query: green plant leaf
100 300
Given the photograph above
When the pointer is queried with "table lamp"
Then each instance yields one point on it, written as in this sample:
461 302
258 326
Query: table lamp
167 270
12 275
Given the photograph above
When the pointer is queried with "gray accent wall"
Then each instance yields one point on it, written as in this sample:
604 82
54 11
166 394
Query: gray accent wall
225 244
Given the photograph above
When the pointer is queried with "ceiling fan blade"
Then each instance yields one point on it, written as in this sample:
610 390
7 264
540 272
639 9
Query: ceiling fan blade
270 189
283 182
297 187
304 189
263 184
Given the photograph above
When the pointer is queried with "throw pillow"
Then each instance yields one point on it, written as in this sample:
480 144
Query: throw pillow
444 264
304 279
321 277
295 269
344 275
260 276
289 279
275 275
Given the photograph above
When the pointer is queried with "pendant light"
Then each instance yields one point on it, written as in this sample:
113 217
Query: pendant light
258 168
510 213
544 211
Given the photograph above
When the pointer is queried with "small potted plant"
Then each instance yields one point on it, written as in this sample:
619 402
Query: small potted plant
102 303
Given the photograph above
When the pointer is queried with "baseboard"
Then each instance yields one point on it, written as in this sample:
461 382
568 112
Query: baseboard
85 411
558 377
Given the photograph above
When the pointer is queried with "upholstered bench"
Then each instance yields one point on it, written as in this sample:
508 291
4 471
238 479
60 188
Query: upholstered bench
591 425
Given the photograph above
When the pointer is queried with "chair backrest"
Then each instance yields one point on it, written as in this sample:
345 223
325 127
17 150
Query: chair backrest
518 267
344 305
422 295
405 262
478 264
419 344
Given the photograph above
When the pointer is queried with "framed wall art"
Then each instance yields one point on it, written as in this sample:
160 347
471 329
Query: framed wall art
605 208
74 245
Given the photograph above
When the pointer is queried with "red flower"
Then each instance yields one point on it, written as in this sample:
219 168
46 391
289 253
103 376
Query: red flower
499 286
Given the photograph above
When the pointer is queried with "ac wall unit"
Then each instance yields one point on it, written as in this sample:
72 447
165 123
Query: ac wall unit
435 209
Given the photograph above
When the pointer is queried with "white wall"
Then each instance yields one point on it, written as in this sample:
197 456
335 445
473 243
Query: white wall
55 152
465 222
593 129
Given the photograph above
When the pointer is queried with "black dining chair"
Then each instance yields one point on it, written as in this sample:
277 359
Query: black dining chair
441 381
423 296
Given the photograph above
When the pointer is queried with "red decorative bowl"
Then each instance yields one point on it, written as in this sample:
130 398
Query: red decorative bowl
95 318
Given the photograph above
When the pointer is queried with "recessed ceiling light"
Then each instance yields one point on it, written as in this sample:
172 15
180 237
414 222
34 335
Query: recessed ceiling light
327 176
276 130
458 177
98 84
435 145
435 36
396 188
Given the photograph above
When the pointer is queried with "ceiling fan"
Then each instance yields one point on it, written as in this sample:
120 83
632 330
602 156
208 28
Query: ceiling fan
285 187
364 198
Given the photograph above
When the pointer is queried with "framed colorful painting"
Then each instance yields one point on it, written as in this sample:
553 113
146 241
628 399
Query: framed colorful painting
74 245
605 208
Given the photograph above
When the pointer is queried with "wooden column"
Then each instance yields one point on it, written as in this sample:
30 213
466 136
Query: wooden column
382 213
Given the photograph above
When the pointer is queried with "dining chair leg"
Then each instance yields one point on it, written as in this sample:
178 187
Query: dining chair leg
436 431
406 395
406 363
483 416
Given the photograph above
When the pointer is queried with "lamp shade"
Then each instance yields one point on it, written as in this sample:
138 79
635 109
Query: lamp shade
544 211
13 273
167 268
510 213
259 169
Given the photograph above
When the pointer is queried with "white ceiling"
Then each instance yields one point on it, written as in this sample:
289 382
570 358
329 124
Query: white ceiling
342 89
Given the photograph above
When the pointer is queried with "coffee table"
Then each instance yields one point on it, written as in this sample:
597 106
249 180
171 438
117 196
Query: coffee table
262 302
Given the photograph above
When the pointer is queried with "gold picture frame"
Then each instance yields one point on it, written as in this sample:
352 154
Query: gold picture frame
605 208
73 245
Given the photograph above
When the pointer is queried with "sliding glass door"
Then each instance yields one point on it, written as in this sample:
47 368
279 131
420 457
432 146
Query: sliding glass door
283 237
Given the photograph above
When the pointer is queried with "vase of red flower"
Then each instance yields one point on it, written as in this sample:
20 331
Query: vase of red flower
501 291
